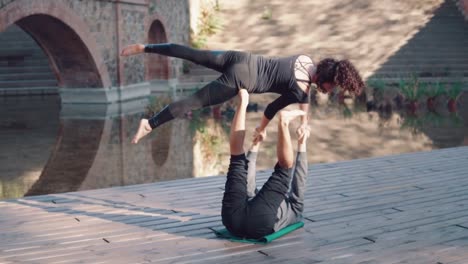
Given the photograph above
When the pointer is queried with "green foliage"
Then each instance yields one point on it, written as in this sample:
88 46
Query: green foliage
199 41
347 113
412 89
267 13
417 124
456 120
377 86
412 123
157 103
206 131
198 121
434 89
454 91
209 23
433 119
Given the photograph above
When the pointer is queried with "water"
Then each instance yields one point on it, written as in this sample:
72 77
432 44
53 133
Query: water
46 147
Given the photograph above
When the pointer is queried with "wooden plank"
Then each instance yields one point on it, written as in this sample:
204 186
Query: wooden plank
386 199
419 246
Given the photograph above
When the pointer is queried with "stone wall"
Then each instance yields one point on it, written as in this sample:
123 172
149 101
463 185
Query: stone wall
175 17
105 27
5 2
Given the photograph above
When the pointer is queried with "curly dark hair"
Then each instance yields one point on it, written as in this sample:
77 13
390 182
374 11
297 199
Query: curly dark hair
341 73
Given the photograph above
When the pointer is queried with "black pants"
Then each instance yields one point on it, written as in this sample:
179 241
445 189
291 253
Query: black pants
257 217
234 66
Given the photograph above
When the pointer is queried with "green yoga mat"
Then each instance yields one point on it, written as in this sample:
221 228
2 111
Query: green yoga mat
223 233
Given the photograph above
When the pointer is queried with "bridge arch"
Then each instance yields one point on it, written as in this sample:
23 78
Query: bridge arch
77 62
157 66
65 38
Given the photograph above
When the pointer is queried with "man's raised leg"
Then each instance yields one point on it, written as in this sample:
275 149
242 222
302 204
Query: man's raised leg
237 135
235 192
291 209
264 206
298 184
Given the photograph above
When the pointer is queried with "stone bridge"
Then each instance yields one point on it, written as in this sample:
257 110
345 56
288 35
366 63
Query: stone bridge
82 40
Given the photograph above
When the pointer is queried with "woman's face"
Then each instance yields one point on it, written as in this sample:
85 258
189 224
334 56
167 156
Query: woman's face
326 88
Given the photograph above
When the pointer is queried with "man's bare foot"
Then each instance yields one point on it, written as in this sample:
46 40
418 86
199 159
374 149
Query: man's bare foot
288 116
255 146
132 50
243 96
143 130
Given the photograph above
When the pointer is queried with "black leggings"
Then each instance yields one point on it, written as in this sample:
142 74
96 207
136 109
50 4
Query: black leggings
255 218
215 92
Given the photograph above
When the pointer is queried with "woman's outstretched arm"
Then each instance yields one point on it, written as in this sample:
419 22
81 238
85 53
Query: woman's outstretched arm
270 111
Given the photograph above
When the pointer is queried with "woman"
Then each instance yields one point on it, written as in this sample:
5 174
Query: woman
291 77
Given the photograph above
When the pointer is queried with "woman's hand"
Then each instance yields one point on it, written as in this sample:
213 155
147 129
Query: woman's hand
133 50
259 135
303 132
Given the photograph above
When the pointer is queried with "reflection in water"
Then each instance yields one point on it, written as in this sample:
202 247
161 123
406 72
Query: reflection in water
28 130
47 147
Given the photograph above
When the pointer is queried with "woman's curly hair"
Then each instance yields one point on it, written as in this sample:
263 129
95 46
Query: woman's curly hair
341 73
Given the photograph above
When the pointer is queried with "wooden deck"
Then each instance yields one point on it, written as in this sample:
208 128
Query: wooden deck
410 208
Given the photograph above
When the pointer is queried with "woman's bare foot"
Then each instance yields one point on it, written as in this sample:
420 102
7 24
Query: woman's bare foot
143 130
288 116
133 50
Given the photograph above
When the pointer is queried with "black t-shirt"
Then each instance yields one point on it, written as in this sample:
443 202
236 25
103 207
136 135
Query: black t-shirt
276 75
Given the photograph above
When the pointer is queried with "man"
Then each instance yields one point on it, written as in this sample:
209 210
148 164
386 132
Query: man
248 214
